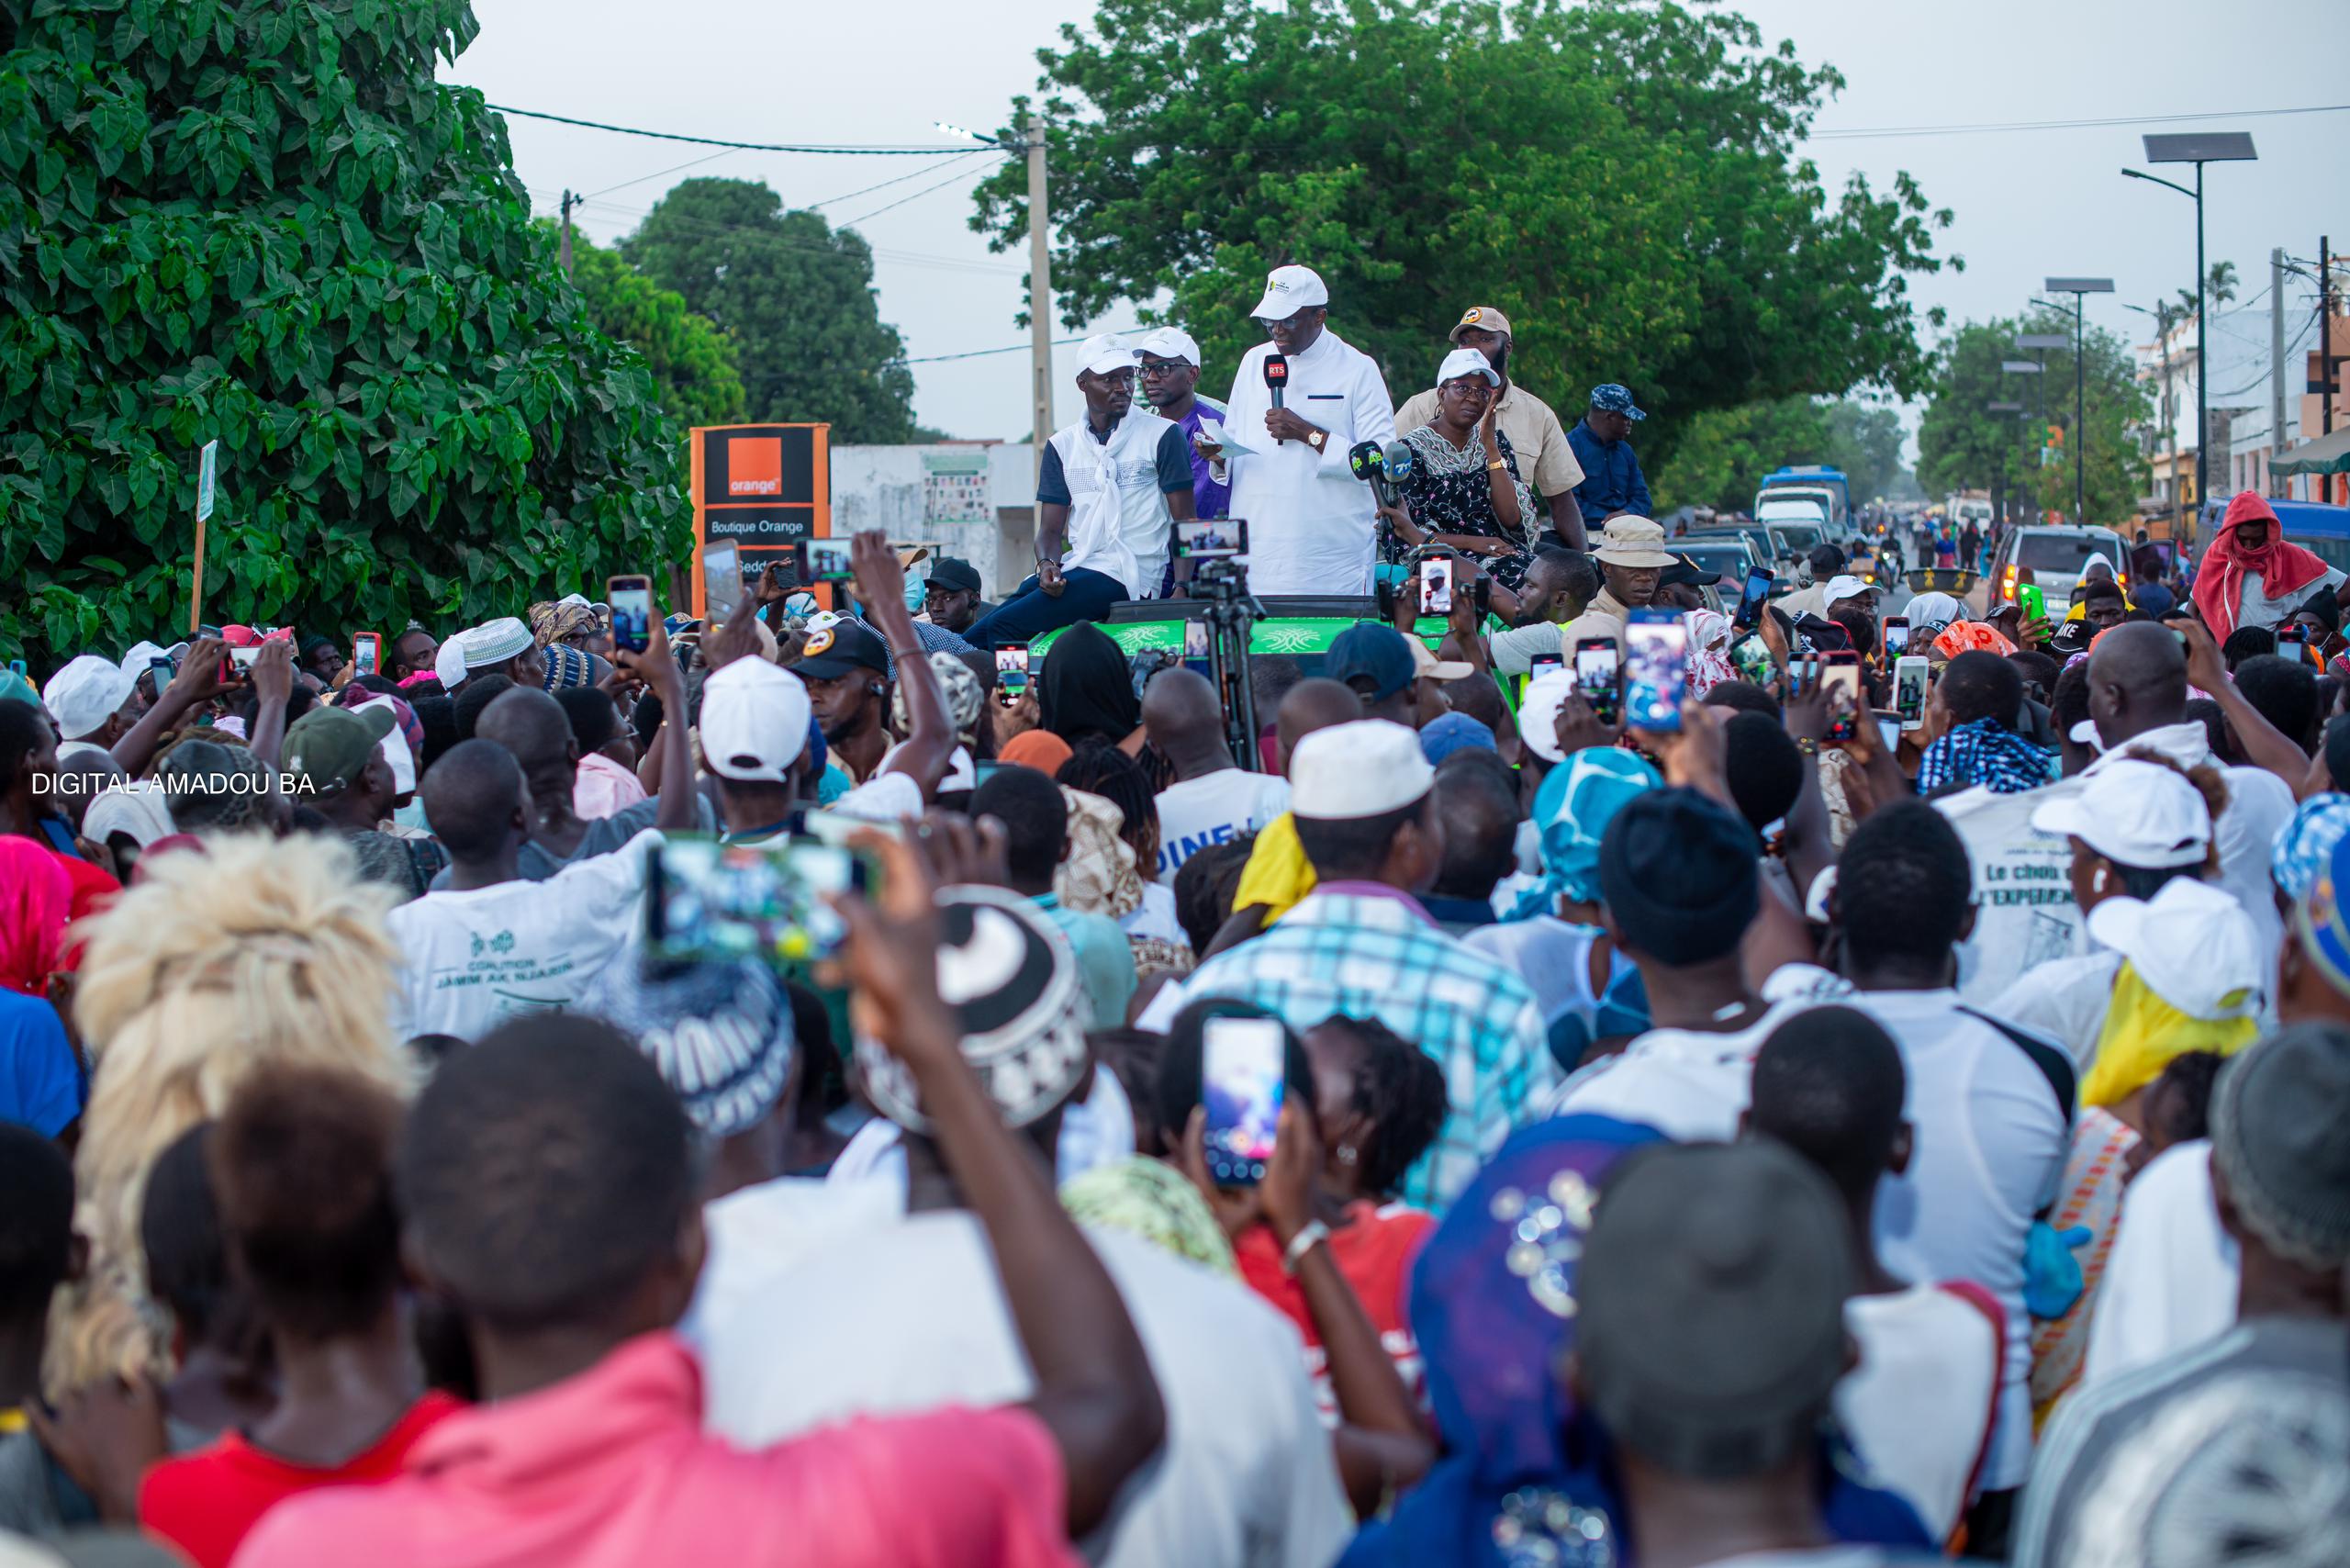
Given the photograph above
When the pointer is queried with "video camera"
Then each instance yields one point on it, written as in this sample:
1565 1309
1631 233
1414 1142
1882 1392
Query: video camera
1384 468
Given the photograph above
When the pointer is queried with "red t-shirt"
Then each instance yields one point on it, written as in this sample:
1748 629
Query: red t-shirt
206 1502
1374 1251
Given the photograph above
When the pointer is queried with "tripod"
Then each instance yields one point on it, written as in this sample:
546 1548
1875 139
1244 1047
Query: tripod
1231 613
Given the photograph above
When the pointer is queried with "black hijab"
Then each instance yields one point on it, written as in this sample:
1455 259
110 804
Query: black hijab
1087 689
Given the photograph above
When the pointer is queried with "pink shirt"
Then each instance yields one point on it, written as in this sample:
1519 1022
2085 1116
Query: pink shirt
602 787
610 1468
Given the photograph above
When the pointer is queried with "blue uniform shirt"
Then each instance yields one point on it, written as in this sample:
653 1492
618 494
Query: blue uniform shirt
1612 481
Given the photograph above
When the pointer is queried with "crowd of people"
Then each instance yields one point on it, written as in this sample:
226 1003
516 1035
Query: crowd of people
782 1095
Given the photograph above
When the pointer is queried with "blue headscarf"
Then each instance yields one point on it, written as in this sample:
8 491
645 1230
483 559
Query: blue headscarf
1524 1476
2304 845
1572 810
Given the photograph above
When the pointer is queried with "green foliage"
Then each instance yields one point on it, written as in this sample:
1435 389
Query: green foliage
796 297
1621 180
1959 446
692 361
263 222
1724 454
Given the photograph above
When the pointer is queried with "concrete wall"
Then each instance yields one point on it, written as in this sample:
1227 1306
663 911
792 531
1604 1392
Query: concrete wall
885 487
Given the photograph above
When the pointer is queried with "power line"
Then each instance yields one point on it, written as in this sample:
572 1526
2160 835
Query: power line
958 174
1862 133
1010 348
713 229
907 152
625 185
901 179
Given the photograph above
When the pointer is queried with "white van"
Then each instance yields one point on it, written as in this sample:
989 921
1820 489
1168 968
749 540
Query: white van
2054 554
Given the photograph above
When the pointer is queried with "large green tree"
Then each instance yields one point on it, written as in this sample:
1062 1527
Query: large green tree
797 298
1963 446
1621 179
263 222
694 364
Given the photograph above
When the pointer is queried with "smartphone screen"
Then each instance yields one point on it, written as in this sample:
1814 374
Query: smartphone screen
2035 602
705 900
825 561
1758 591
1841 673
1195 639
1888 732
1894 639
1910 692
1656 654
1211 539
160 671
721 579
1542 663
366 652
242 660
1012 668
1598 671
631 601
1240 1084
1436 586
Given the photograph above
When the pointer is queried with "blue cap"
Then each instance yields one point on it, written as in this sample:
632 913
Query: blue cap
1367 651
1451 733
1614 400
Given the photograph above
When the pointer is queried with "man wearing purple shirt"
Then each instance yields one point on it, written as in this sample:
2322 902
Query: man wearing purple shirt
1170 369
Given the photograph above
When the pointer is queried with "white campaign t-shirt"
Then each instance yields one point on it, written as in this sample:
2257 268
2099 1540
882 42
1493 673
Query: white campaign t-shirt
2024 912
2170 1281
907 1316
1990 1140
473 959
2064 999
1215 808
1918 1408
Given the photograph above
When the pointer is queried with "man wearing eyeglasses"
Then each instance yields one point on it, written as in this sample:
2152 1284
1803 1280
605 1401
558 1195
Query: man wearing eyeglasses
1170 378
1311 521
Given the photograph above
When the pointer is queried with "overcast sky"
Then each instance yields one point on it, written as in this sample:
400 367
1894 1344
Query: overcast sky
2029 203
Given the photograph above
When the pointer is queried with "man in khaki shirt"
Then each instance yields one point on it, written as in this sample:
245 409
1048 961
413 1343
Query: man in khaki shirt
1631 557
1545 460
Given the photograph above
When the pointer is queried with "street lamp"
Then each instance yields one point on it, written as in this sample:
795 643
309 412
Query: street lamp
2198 147
2076 287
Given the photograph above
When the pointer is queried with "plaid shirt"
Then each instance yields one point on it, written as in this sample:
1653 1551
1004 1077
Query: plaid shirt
1370 956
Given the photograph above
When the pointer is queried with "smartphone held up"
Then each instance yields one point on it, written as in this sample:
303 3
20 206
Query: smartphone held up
1656 660
1241 1080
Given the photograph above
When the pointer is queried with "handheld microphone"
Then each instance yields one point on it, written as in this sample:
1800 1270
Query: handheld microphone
1369 464
1276 379
1399 460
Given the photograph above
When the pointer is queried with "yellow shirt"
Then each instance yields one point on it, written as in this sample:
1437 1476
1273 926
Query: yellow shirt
1278 874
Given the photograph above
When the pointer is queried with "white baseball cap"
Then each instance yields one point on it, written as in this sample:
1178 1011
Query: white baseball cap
84 694
2193 945
2134 813
449 664
1467 361
1289 290
1840 588
753 721
1104 353
1171 343
135 662
1361 770
1537 712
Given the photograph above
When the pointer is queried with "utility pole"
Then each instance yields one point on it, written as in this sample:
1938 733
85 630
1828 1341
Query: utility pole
569 201
2326 324
1040 286
2275 364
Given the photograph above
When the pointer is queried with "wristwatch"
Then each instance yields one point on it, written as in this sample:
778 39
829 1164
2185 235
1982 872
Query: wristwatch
1319 440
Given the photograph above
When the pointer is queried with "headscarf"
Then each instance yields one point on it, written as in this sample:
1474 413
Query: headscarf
567 666
1492 1299
1973 636
1932 609
1577 801
35 898
2282 567
1098 875
1983 752
550 623
1086 688
2144 1033
1151 1199
965 700
2305 847
1709 639
1039 749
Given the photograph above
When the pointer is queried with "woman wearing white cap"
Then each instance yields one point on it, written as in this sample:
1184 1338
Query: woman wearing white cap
1310 519
1465 490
